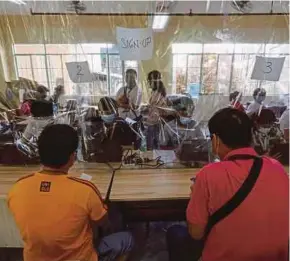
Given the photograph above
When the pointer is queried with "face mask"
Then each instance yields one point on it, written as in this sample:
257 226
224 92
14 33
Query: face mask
108 118
184 120
260 99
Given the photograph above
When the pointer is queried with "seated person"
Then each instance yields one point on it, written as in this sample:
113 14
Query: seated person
184 127
25 107
129 97
235 100
256 106
266 132
62 213
264 227
105 134
41 116
41 93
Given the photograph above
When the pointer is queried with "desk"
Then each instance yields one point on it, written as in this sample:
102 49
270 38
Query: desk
152 194
101 176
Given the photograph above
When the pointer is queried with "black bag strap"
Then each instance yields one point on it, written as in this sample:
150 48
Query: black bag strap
240 195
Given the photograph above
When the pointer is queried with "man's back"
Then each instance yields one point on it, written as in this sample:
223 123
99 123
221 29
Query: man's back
258 229
53 212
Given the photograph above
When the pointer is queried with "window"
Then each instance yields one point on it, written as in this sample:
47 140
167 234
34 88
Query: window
46 64
224 67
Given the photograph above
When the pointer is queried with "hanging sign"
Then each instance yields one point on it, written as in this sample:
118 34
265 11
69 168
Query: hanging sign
135 43
268 68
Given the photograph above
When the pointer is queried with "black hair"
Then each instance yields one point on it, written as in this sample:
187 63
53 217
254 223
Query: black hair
259 91
56 144
234 95
108 104
233 127
158 85
131 71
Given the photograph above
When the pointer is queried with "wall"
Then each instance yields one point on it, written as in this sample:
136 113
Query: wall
100 29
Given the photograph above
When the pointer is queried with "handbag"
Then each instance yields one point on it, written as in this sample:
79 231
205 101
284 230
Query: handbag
238 197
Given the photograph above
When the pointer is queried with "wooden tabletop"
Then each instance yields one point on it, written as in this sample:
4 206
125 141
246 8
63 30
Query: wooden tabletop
152 184
101 175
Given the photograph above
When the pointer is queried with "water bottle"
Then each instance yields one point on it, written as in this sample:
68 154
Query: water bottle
55 109
143 146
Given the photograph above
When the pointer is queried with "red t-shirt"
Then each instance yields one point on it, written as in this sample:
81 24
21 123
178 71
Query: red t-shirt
238 106
258 229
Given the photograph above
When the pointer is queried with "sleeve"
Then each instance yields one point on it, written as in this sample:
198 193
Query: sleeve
97 209
28 133
284 120
197 210
253 108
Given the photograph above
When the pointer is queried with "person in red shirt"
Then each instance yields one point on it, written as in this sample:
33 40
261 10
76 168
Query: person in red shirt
235 100
257 230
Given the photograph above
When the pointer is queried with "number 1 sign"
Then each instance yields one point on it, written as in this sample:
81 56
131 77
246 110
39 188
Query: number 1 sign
79 72
268 68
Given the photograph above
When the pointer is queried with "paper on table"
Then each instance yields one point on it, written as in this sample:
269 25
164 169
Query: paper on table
167 156
86 177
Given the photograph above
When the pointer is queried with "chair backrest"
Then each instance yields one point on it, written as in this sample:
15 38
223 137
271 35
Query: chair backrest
266 117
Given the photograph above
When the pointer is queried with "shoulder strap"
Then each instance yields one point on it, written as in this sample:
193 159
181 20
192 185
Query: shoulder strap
239 196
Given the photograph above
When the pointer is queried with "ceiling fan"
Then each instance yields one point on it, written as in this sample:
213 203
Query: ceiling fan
19 2
76 6
242 6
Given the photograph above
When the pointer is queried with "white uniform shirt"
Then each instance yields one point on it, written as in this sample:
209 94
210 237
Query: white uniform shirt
254 107
135 97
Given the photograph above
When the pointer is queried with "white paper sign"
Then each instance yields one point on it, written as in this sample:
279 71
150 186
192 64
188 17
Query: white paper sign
268 68
79 72
135 43
86 177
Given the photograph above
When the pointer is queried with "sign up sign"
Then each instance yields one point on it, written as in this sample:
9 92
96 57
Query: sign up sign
135 43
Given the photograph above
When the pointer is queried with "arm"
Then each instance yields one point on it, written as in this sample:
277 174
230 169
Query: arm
97 212
121 99
197 210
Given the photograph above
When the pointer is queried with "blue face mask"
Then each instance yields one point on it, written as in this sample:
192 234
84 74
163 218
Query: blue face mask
260 99
108 118
184 120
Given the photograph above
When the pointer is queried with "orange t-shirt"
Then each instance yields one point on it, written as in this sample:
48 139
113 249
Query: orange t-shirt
53 213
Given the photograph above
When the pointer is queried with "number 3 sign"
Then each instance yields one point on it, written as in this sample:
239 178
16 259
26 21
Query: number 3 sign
268 68
79 72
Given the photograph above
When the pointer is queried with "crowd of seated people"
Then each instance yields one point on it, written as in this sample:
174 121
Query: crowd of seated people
165 124
247 229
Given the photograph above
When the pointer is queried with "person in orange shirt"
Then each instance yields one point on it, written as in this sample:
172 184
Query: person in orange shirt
56 214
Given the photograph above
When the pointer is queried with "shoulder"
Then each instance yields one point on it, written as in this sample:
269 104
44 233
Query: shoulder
211 170
85 185
273 166
120 90
25 178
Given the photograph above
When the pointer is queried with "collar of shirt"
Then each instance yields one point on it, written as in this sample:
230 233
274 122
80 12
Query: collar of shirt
247 150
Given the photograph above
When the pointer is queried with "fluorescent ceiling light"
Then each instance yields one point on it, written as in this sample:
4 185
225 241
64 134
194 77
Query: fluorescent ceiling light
160 21
19 2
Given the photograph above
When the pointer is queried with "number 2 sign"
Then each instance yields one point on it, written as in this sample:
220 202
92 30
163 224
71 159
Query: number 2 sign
268 68
79 72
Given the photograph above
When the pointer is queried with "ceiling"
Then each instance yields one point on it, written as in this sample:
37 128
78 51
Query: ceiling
131 7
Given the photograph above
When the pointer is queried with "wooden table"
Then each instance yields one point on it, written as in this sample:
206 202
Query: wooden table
152 194
101 175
